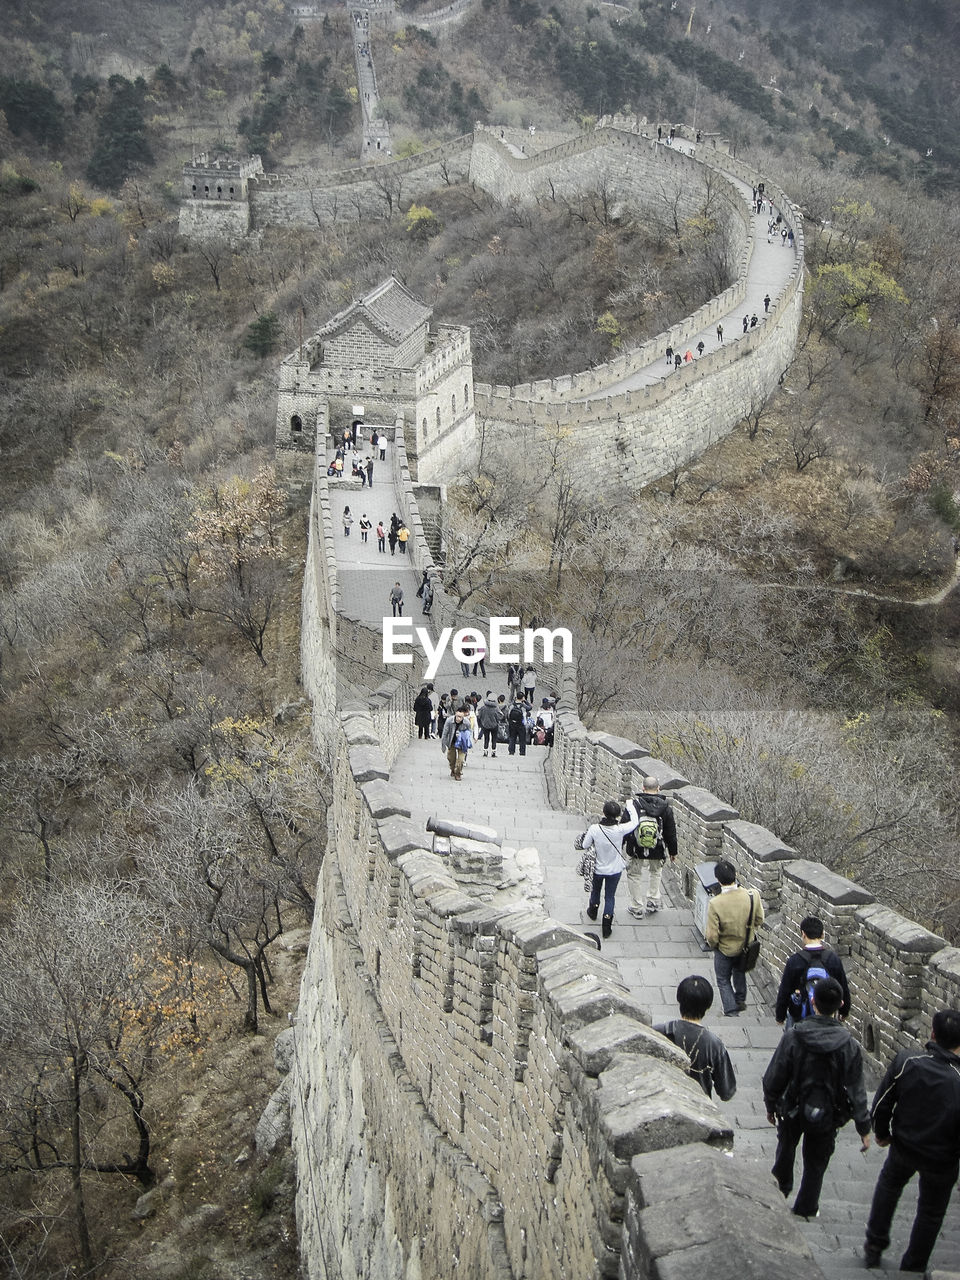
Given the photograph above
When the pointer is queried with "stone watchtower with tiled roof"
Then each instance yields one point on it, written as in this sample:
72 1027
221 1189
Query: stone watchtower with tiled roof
381 353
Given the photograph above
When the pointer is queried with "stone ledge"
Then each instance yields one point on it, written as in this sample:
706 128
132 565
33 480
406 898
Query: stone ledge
760 843
384 800
903 934
647 1105
705 805
367 763
597 1044
834 888
669 779
947 962
723 1230
398 835
532 933
580 998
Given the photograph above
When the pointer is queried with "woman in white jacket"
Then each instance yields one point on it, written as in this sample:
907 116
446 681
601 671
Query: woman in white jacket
606 839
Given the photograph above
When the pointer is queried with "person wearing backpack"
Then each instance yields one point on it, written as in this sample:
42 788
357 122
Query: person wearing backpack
646 849
916 1114
516 726
803 969
812 1087
456 740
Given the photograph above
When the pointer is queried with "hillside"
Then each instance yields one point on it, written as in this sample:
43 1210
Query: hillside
768 616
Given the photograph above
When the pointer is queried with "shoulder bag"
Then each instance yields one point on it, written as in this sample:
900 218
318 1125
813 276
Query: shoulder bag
748 957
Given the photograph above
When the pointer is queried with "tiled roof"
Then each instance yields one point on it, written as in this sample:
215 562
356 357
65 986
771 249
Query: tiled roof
391 309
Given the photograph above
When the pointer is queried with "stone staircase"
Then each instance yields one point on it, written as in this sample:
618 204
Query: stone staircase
511 795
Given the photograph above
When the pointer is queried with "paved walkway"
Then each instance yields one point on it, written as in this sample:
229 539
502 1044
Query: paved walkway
771 266
510 795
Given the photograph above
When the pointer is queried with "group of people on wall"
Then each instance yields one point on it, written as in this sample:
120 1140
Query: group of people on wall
461 722
814 1083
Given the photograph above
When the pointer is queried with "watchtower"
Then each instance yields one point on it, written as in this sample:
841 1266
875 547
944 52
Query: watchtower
381 351
217 196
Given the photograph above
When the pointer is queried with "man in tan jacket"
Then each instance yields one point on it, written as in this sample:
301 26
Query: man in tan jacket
727 917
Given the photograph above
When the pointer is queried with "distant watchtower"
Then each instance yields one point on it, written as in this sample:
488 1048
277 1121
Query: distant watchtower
217 196
381 352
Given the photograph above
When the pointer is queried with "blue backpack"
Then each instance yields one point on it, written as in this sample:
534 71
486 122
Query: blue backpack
801 1002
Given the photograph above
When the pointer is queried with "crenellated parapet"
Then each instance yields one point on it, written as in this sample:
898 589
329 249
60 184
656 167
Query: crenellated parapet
899 972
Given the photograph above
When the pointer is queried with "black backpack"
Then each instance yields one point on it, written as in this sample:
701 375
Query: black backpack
817 1094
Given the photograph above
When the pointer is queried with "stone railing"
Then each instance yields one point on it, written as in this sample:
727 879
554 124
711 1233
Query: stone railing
474 1087
899 972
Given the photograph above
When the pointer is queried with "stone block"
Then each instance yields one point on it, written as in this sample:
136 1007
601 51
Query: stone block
704 805
367 763
901 934
762 845
583 998
532 933
665 774
833 888
646 1105
384 800
597 1044
398 835
621 748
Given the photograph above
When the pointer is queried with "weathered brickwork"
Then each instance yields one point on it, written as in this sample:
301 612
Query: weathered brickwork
488 1056
899 972
458 1050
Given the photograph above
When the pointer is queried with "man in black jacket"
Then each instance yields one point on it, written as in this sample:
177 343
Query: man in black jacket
646 855
812 1085
916 1113
793 985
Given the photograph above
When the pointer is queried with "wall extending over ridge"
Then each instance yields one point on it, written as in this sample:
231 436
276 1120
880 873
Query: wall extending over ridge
635 434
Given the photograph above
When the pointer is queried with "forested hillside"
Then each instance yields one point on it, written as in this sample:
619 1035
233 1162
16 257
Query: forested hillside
765 618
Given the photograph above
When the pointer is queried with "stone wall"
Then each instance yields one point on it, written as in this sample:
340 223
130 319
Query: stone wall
454 1052
353 195
899 972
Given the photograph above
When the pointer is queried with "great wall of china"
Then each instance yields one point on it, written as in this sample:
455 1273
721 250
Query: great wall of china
475 1089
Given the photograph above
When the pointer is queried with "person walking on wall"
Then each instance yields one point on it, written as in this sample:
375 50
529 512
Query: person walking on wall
382 445
816 960
647 847
456 741
516 726
369 466
720 334
529 682
365 527
916 1114
381 537
605 838
392 539
812 1086
766 303
396 599
347 522
403 533
489 718
423 711
729 914
710 1063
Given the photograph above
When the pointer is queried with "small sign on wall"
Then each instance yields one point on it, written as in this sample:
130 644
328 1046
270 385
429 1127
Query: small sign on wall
357 410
